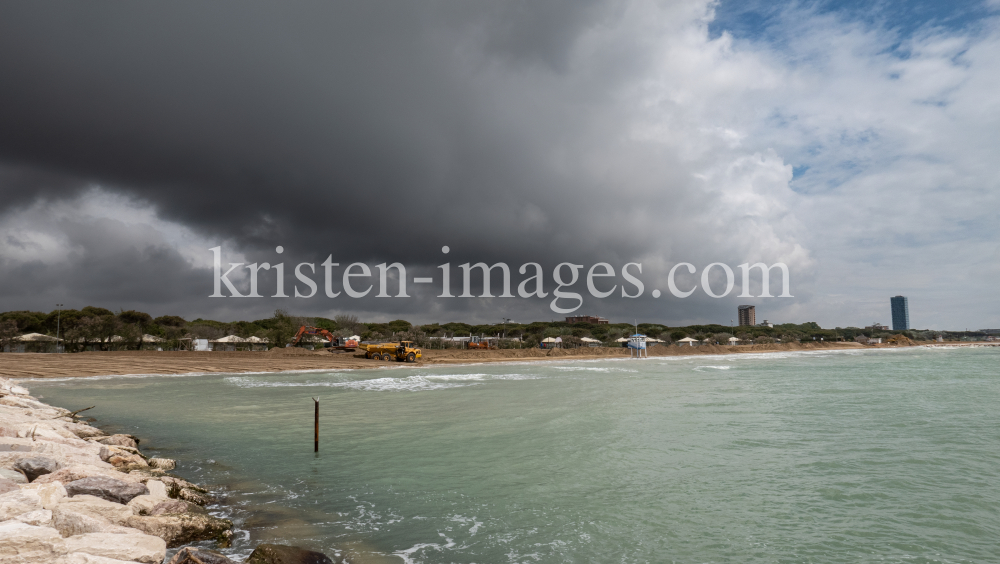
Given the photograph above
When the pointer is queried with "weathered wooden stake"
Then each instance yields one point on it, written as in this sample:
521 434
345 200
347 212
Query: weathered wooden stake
316 436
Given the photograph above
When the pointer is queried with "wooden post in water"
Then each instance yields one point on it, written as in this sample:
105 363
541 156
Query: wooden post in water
316 434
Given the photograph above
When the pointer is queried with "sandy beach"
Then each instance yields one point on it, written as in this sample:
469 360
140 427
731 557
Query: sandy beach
277 360
28 365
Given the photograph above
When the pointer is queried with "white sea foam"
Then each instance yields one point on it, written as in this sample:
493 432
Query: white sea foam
407 555
591 369
465 521
413 382
701 368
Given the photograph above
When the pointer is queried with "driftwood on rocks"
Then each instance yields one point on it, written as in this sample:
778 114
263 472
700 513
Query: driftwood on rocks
110 489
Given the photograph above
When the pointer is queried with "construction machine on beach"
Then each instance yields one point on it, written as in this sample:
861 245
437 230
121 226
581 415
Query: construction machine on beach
480 343
333 342
403 351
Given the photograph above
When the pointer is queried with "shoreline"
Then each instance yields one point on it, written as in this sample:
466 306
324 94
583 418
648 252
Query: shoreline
151 363
70 493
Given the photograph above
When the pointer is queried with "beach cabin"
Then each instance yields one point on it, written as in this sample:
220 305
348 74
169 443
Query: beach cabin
590 342
733 341
690 342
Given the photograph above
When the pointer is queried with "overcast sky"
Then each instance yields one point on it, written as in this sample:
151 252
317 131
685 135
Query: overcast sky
856 142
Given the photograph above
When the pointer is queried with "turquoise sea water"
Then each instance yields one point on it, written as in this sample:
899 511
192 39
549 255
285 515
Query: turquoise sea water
859 456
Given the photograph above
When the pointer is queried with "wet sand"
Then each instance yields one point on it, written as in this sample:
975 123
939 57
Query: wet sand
29 365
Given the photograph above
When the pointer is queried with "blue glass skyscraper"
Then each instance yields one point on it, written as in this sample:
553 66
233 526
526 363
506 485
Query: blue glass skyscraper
900 313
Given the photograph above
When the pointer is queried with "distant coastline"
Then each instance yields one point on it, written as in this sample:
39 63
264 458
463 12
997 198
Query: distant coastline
122 363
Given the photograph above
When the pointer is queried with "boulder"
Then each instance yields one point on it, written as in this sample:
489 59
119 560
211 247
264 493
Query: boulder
157 488
85 431
127 461
182 489
107 488
120 440
150 505
281 554
163 463
81 471
21 543
175 485
36 466
15 476
17 503
38 517
175 506
8 485
70 523
50 493
96 507
84 558
110 450
15 444
134 546
178 529
143 504
194 555
194 496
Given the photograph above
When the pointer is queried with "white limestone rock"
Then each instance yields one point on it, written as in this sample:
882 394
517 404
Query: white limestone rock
157 489
21 543
135 546
71 523
116 513
39 518
17 503
84 558
50 493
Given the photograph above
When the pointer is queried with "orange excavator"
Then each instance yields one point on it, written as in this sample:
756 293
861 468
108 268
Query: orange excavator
336 343
479 343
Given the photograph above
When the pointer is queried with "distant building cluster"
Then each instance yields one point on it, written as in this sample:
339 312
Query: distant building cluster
587 319
746 315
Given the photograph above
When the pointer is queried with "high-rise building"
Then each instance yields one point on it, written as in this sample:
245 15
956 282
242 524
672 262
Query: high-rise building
900 313
746 315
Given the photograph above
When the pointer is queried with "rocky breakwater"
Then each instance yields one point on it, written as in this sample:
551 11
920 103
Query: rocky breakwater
71 494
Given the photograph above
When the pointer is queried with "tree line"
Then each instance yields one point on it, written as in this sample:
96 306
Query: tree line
95 328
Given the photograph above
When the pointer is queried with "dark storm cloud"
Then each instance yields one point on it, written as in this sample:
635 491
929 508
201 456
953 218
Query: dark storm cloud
373 131
269 122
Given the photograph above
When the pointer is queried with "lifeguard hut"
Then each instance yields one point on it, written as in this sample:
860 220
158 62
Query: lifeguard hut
637 346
